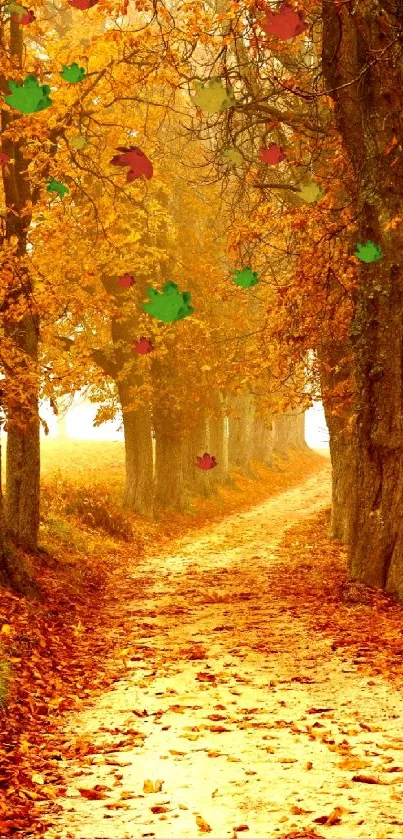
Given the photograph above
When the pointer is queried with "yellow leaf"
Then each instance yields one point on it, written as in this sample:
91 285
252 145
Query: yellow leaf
202 825
6 629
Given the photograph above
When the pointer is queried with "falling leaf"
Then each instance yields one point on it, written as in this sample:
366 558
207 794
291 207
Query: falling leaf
212 96
272 154
233 156
82 4
159 808
170 304
138 163
206 462
285 23
56 186
143 346
78 142
29 97
369 252
246 278
310 192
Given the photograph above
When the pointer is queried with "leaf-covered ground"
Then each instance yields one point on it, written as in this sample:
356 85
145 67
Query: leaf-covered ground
241 711
225 683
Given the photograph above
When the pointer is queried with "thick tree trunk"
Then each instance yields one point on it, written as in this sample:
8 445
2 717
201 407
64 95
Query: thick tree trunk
138 494
23 443
13 572
240 441
198 481
218 442
369 117
170 491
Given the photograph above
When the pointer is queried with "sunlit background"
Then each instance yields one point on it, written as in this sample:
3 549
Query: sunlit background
77 423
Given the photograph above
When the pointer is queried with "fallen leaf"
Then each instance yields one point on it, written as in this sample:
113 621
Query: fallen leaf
206 677
334 817
91 794
366 779
202 825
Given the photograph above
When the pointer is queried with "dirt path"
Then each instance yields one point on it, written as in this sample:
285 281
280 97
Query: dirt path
248 721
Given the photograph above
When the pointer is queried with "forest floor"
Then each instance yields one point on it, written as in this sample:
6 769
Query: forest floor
253 693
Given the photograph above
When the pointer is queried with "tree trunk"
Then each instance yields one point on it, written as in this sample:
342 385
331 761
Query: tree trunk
23 441
263 441
198 481
218 442
169 486
281 431
138 495
240 440
13 572
335 365
369 117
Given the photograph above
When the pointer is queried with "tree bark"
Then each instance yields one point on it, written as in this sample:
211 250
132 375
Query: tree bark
335 366
170 492
240 440
218 442
13 572
368 102
197 442
263 441
138 495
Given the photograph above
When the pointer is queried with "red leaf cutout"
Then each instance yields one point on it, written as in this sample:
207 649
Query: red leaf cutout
208 461
143 346
285 23
136 160
272 154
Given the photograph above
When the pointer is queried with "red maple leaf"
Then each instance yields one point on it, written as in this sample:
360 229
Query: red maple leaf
143 346
126 281
4 158
208 461
272 154
83 4
25 19
136 160
285 23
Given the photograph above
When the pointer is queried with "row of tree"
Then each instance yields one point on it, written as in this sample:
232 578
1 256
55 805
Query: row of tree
320 320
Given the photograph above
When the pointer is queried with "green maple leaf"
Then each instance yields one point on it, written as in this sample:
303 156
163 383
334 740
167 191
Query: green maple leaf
30 97
369 252
169 305
246 278
233 156
56 186
310 192
72 73
212 96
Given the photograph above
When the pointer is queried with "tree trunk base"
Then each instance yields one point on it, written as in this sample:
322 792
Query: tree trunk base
15 575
